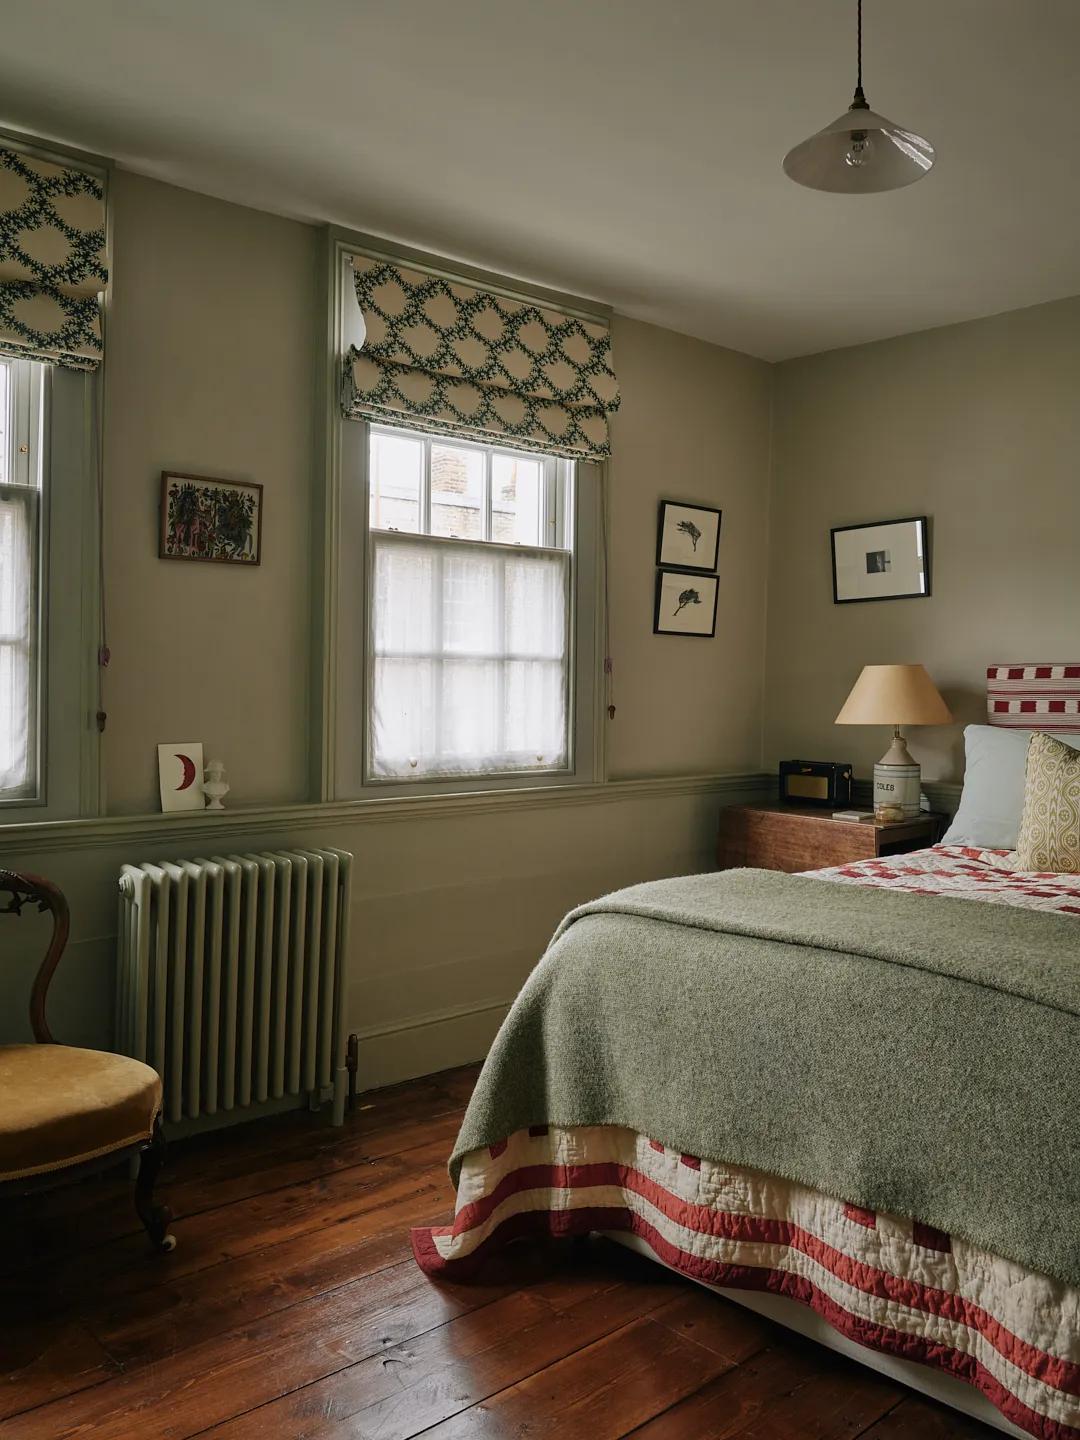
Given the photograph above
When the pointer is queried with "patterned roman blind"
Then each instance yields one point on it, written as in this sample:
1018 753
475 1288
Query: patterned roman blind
445 356
52 262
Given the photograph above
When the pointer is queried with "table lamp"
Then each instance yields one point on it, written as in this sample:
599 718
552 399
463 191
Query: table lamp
895 695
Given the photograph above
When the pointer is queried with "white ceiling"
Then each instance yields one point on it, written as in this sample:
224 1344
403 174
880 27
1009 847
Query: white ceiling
627 150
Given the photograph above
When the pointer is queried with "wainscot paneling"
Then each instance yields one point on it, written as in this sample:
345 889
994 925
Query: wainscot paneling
454 899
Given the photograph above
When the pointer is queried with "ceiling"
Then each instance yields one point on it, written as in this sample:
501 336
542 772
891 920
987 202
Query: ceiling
626 150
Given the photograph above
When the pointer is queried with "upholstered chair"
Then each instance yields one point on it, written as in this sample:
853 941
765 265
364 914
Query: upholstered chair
65 1112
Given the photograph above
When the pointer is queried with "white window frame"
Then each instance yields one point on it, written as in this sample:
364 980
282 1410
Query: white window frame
24 467
339 673
58 421
557 512
558 480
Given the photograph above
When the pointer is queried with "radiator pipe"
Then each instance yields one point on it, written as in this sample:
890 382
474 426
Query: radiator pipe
352 1065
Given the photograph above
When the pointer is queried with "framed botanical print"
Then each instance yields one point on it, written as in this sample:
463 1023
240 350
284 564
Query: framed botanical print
889 560
685 603
207 519
688 536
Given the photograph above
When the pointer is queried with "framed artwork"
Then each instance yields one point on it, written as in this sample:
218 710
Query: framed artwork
886 561
685 603
207 519
180 776
688 536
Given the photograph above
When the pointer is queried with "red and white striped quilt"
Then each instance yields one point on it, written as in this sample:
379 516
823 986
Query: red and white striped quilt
965 874
888 1282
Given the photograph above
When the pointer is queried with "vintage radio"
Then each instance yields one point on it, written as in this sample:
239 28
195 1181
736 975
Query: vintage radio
815 782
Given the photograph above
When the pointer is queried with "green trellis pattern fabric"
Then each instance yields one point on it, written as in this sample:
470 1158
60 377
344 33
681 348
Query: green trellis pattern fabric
455 359
52 262
1049 837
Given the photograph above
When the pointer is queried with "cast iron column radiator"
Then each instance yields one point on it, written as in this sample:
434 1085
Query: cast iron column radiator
231 978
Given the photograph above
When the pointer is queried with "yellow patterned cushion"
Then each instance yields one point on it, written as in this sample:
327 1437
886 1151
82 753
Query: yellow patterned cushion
1050 828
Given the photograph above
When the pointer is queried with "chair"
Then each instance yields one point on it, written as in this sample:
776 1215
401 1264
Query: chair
66 1112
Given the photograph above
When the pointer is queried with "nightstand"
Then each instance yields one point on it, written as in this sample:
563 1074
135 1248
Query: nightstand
804 837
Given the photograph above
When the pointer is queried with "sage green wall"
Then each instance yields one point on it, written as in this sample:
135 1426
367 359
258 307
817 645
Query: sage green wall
211 337
976 426
213 331
451 908
694 426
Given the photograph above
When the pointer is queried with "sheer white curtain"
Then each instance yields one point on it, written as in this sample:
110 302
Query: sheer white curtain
18 530
470 651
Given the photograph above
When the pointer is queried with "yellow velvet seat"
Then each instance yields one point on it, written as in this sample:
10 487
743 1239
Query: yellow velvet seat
61 1106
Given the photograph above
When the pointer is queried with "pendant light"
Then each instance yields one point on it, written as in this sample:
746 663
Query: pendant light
861 152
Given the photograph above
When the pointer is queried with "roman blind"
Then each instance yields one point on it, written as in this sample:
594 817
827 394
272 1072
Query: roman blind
446 356
52 261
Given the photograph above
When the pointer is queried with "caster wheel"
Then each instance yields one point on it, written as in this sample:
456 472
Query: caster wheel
167 1245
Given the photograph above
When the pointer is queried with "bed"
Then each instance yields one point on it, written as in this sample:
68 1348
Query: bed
892 1084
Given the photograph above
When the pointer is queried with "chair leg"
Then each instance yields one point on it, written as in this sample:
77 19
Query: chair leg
154 1217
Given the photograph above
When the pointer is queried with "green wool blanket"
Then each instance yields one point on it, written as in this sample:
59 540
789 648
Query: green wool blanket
905 1053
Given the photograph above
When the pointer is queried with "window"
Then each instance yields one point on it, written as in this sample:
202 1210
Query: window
20 578
470 609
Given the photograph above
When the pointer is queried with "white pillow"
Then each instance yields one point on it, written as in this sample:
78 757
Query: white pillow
992 800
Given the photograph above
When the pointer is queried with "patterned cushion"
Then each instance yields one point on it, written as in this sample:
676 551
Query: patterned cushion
1050 829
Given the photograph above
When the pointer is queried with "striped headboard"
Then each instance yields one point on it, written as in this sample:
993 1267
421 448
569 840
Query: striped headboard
1034 697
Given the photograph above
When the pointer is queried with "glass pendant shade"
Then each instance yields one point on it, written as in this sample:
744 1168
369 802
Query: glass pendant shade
859 153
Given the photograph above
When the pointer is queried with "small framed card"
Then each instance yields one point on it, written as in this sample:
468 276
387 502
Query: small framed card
886 561
180 776
685 603
688 536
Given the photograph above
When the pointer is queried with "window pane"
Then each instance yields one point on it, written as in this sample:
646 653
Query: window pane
5 424
471 657
457 492
515 500
397 464
535 605
470 603
17 565
405 580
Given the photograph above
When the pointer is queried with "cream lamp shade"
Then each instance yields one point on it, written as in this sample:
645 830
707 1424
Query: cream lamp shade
895 695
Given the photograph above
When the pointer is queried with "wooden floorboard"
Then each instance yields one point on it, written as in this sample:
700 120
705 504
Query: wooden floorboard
292 1308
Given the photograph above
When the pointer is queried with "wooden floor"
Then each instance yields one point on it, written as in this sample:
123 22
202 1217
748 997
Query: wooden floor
292 1307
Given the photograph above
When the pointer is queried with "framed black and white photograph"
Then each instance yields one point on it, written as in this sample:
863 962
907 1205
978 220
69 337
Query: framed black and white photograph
889 560
685 603
688 536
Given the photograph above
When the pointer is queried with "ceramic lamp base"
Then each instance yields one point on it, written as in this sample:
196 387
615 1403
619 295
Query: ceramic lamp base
897 791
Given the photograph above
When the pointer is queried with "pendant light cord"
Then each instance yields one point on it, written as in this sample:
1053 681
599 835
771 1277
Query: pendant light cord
860 98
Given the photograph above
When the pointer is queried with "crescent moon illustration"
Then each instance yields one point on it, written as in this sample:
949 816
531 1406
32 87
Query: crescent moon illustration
189 771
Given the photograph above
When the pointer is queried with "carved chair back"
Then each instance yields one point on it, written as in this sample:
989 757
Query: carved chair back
23 890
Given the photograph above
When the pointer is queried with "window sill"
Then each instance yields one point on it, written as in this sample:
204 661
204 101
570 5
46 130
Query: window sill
199 825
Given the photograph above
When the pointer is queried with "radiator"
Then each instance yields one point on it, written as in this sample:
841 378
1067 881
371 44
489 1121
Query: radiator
231 977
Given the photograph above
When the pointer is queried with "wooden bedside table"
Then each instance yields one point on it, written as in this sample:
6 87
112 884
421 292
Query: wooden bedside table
805 837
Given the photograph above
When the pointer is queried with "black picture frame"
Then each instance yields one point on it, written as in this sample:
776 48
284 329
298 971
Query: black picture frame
713 580
682 564
924 528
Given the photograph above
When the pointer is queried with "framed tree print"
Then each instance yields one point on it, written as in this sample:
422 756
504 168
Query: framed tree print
207 519
688 536
685 603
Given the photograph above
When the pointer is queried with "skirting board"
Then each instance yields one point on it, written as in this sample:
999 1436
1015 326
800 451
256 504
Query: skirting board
804 1321
423 1046
428 1044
